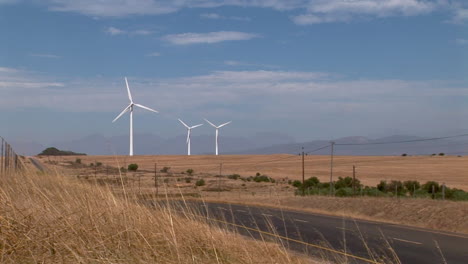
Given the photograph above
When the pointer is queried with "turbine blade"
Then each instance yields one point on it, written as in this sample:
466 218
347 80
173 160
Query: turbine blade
210 123
224 124
123 112
128 90
147 108
197 126
184 124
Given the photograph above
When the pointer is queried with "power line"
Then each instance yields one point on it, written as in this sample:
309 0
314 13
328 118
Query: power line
403 141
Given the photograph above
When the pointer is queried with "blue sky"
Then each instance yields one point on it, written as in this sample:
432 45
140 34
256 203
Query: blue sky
312 69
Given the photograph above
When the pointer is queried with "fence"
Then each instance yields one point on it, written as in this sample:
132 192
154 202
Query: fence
9 160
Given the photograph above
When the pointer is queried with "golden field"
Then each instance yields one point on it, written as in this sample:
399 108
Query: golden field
451 170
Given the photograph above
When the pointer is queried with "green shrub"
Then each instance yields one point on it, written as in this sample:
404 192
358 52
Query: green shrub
382 186
311 182
98 164
404 155
234 176
428 186
343 192
441 154
132 167
346 182
297 184
189 172
262 178
188 180
78 161
200 182
165 169
411 186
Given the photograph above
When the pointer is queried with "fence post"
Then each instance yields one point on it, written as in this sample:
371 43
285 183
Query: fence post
443 191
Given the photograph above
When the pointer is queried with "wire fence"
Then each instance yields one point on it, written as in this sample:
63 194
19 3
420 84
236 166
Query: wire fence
9 160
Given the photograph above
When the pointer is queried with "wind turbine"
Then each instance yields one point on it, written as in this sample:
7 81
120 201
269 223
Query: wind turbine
130 108
189 130
217 132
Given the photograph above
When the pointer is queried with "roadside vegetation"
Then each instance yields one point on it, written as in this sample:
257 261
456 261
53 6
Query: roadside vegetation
48 218
348 187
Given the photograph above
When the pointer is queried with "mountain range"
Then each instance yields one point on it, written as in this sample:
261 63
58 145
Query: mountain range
262 143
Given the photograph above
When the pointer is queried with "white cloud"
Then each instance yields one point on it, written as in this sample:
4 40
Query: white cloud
215 16
460 16
209 38
326 11
6 2
462 41
45 55
211 16
113 31
235 63
121 8
153 54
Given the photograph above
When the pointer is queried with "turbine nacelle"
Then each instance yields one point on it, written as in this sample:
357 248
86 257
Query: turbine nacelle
189 130
130 108
217 131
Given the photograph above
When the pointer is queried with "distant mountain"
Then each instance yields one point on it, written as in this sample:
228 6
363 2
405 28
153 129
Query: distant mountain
361 146
149 144
263 143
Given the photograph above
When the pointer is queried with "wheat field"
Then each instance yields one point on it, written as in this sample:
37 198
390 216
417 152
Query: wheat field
370 170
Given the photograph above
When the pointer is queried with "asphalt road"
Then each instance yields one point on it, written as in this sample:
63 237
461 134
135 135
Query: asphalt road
342 239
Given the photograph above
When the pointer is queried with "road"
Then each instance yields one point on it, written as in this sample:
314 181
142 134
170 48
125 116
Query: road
344 240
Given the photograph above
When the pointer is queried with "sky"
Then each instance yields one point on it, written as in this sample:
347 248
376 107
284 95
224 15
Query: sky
310 69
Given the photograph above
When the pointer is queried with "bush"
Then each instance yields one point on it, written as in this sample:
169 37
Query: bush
200 182
234 176
382 186
98 164
190 172
132 167
398 185
165 169
343 192
346 182
262 178
372 191
78 161
311 182
428 186
297 184
404 155
188 180
441 154
411 186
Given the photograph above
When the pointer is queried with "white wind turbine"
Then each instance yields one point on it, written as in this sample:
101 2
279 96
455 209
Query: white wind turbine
130 108
189 130
217 131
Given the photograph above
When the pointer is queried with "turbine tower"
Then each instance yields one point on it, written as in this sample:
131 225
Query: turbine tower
189 130
130 108
217 132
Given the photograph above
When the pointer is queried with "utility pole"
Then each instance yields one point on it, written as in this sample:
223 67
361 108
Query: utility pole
354 180
331 167
303 173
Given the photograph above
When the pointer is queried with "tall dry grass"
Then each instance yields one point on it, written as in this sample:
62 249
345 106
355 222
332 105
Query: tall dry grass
47 218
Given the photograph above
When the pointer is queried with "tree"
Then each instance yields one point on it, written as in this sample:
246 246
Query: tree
132 167
200 182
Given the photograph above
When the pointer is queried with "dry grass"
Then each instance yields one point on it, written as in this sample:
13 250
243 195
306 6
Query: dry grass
450 170
47 218
438 215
